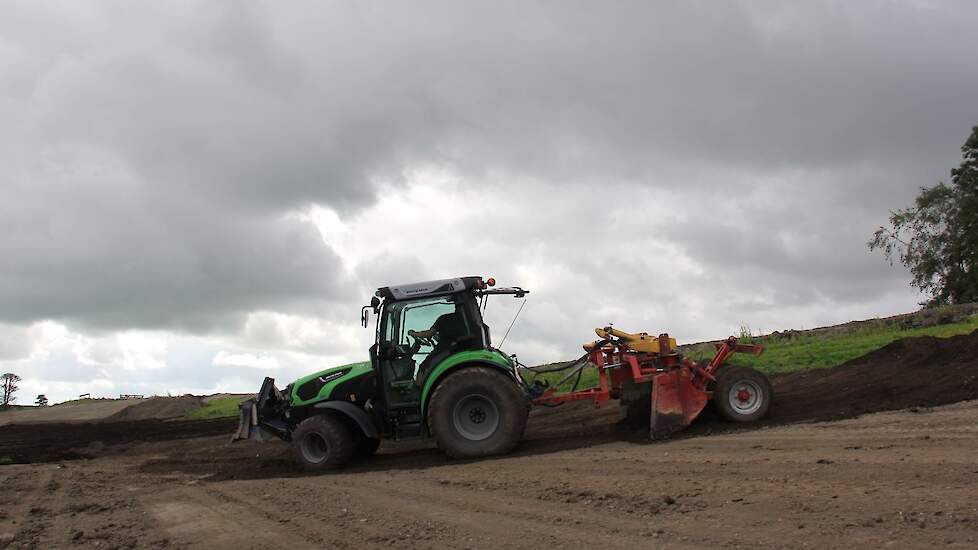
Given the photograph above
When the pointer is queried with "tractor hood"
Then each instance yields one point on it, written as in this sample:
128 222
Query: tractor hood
318 385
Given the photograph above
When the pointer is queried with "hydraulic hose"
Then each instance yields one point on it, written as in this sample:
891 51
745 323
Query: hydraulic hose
578 365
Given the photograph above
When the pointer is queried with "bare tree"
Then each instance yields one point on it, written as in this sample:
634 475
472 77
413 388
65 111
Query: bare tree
9 381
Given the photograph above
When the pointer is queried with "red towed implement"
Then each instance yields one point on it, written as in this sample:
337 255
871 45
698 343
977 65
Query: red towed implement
660 387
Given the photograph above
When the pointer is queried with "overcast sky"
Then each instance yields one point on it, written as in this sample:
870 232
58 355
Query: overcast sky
194 195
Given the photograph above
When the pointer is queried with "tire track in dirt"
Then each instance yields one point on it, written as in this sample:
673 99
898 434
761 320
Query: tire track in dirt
338 517
194 515
71 506
54 495
21 521
35 519
103 509
413 512
504 518
273 514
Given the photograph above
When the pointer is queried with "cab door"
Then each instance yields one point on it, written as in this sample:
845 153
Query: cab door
395 363
401 355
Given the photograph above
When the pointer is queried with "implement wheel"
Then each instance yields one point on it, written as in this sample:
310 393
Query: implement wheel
322 442
477 411
742 394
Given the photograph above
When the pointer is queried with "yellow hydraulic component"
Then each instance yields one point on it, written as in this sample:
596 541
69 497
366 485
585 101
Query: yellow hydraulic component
640 341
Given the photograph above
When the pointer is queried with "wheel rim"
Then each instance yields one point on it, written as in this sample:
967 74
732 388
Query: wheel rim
745 397
475 417
314 448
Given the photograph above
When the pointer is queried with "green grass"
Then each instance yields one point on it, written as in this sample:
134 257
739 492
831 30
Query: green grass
218 408
814 351
5 460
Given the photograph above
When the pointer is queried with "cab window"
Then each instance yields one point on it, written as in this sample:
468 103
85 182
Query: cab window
422 316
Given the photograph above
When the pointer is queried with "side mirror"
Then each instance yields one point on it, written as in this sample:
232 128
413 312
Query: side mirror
374 305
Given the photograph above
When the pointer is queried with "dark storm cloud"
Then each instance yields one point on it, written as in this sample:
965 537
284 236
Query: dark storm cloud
153 154
571 91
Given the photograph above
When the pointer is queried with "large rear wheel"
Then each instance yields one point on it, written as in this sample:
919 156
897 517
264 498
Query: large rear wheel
322 442
477 411
742 394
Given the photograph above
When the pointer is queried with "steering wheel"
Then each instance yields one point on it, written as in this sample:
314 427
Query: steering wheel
421 340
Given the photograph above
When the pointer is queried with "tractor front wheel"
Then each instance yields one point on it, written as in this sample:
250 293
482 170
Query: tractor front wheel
742 394
477 411
322 442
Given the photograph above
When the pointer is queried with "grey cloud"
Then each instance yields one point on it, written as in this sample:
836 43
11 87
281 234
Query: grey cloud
132 259
14 342
154 153
582 91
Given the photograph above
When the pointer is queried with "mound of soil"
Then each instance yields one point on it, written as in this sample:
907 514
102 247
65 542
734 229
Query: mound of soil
65 441
159 408
912 372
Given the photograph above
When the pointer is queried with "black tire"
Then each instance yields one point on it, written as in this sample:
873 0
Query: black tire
322 442
366 447
742 394
477 411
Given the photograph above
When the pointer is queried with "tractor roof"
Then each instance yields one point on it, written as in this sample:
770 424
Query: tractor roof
430 288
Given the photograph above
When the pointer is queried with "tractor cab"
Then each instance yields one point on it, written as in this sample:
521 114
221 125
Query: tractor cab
418 327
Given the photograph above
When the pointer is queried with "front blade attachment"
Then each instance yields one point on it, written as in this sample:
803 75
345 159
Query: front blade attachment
262 417
247 420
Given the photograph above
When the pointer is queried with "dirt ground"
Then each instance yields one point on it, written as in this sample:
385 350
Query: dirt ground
904 478
896 479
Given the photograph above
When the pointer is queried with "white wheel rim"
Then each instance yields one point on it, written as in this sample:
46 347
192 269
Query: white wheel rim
745 397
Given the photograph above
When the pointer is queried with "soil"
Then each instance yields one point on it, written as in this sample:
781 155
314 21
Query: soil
66 441
912 372
95 409
904 478
159 408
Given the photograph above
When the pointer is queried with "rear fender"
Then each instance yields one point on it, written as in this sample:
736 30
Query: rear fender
482 358
354 413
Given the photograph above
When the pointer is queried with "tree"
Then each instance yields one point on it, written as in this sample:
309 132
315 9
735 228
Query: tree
9 385
42 400
937 238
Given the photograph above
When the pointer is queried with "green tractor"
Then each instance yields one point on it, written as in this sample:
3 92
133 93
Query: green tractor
432 373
